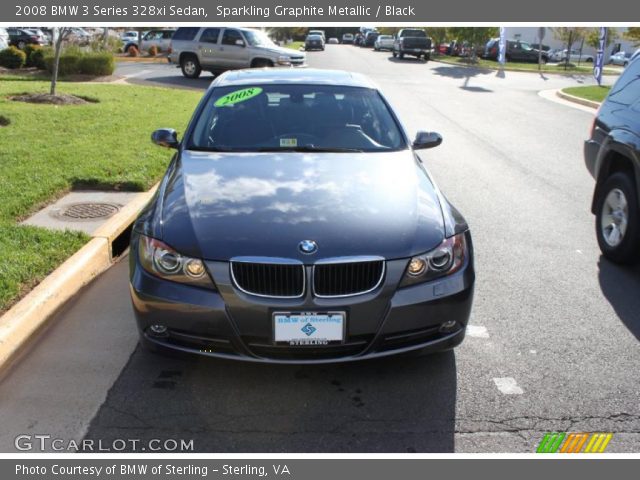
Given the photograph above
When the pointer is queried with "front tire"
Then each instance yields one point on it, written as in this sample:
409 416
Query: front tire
618 219
395 55
401 55
190 66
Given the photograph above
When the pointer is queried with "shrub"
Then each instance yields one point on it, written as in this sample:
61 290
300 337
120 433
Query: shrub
98 64
153 50
133 51
74 61
12 58
28 50
37 56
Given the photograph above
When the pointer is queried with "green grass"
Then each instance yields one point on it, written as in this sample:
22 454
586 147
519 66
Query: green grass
593 93
524 67
48 150
294 45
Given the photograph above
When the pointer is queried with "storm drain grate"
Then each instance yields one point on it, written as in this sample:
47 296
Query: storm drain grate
89 211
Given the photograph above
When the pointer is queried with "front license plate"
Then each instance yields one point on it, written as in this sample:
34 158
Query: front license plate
308 328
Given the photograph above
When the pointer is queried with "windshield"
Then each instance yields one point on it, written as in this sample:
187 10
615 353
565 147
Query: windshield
296 117
257 39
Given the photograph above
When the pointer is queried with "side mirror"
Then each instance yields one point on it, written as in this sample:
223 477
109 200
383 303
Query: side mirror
427 140
240 43
165 137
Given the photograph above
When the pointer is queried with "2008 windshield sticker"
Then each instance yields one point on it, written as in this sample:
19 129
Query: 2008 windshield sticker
238 96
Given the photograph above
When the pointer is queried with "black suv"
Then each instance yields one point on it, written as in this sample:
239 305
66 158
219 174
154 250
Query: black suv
516 51
612 155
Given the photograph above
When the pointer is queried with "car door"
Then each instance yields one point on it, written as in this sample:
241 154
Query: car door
209 48
233 49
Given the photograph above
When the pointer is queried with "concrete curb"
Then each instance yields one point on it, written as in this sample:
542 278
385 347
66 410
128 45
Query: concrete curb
578 100
517 70
22 322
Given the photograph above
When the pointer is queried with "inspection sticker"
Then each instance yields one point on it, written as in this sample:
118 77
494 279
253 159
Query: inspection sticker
288 142
238 96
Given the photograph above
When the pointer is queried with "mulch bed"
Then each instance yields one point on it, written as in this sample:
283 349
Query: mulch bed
59 99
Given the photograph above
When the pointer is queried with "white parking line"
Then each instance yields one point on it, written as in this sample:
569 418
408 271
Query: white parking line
508 386
477 331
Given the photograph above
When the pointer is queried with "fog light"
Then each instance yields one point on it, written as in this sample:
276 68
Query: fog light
158 330
194 268
448 326
417 266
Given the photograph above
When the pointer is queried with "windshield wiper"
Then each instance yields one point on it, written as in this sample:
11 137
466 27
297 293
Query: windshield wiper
309 148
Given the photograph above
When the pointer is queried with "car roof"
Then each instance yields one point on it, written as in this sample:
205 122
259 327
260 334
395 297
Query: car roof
308 76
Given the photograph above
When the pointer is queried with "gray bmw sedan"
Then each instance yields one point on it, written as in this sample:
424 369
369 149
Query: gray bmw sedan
297 223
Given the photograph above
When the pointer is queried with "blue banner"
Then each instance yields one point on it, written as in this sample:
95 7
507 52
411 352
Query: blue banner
502 46
599 63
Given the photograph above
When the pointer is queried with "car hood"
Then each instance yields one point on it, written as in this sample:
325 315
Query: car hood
284 51
222 205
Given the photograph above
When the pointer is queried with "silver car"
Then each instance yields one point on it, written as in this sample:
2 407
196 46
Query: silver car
4 39
217 49
383 42
621 58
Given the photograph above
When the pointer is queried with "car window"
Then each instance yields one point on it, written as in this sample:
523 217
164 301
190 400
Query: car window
413 33
257 39
278 117
230 36
167 34
210 35
186 33
626 91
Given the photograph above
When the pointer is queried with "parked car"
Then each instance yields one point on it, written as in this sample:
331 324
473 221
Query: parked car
517 51
4 38
370 39
217 49
19 37
313 42
412 41
222 265
621 58
612 156
129 37
318 32
359 38
578 57
383 42
43 38
161 39
347 38
79 36
555 55
333 41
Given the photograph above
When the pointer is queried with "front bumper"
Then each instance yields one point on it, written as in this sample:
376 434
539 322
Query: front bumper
230 324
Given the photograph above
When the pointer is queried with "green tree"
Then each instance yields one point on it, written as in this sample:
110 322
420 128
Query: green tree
592 37
569 36
633 34
438 35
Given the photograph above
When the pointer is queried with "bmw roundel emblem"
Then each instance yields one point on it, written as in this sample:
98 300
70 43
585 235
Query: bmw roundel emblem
308 246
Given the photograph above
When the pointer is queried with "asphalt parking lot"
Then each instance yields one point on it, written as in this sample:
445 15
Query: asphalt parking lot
555 328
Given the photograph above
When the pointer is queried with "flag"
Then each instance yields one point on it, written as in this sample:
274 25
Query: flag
599 63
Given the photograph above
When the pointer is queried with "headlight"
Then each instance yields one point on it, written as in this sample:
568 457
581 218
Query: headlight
445 259
284 60
161 260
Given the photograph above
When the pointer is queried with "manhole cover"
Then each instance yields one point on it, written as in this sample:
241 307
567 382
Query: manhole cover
89 211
